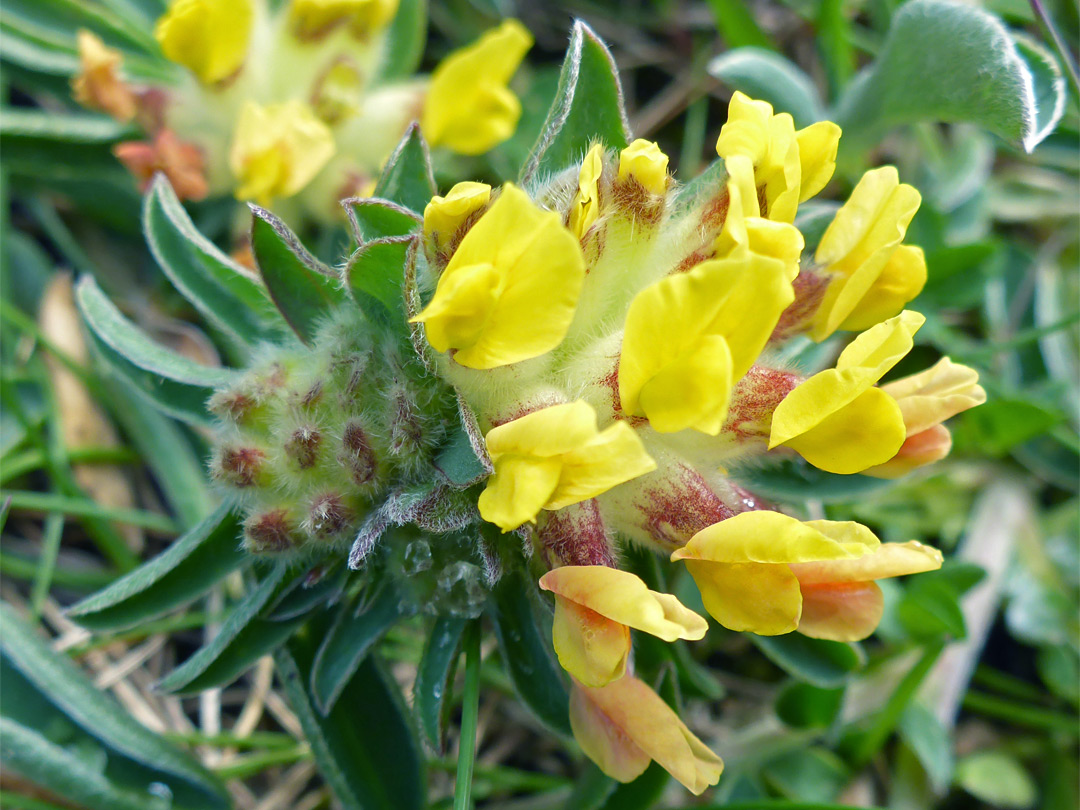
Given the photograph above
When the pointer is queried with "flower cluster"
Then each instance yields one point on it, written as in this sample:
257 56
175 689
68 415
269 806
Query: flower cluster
618 338
296 103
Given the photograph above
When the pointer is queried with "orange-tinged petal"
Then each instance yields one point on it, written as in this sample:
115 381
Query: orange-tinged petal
917 451
615 722
940 392
591 647
848 611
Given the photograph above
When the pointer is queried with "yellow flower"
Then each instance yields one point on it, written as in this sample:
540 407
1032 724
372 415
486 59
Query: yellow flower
837 420
208 37
277 150
313 18
469 108
874 275
691 336
510 289
791 166
443 216
746 232
595 607
98 85
624 725
742 565
840 599
554 457
926 400
644 162
585 207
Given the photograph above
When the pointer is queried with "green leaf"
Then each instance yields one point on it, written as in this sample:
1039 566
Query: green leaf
403 43
930 608
63 773
798 481
803 705
407 178
640 794
98 714
302 287
72 127
365 748
931 743
588 106
373 219
810 774
458 461
1049 84
825 664
768 76
224 292
177 385
998 779
945 61
375 275
434 677
243 638
523 627
180 574
736 24
354 632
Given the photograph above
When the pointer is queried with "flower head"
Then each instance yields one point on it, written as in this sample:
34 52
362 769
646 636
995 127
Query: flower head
209 37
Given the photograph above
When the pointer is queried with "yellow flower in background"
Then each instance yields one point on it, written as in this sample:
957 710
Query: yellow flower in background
554 457
585 206
837 420
469 107
208 37
595 607
927 399
98 85
874 275
314 18
691 336
443 216
791 166
510 290
742 565
625 725
746 232
643 161
841 600
277 150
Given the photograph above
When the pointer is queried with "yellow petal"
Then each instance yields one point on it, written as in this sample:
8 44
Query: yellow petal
544 433
691 336
918 450
901 280
585 207
590 647
757 598
443 216
613 723
278 149
469 108
624 598
848 611
209 37
817 156
764 536
887 560
609 458
313 18
936 394
462 306
518 490
540 270
643 161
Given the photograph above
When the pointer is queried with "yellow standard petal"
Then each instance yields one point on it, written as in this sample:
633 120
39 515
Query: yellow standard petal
585 207
509 291
314 18
691 336
277 150
643 162
817 156
872 277
469 107
443 216
625 724
742 565
936 394
837 420
554 457
208 37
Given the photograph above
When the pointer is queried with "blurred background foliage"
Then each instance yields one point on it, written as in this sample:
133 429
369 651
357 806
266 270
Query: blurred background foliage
968 694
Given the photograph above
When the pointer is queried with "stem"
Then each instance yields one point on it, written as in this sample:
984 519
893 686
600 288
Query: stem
50 549
1059 45
469 709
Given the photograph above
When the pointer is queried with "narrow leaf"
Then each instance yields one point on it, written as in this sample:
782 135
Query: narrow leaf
97 713
765 75
403 46
435 675
183 572
76 127
354 632
407 178
588 106
826 664
303 289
